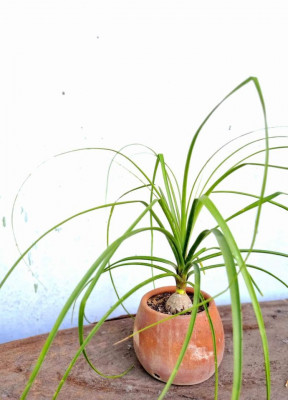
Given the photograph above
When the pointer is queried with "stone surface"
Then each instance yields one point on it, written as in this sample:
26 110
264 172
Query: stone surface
17 359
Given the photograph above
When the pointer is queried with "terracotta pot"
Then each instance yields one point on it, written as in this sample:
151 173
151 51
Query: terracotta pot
157 348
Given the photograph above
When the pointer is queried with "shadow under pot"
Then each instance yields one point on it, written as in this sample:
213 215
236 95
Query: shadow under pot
158 348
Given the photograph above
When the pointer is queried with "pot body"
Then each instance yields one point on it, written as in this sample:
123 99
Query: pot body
158 348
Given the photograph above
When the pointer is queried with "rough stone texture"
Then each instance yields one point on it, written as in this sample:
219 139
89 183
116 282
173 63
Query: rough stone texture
18 357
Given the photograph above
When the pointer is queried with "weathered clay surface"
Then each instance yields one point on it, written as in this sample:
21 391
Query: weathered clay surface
18 357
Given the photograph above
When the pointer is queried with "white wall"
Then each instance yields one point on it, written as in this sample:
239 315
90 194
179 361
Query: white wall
108 73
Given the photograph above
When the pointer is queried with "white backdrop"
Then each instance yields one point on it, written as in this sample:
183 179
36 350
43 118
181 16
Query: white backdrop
108 73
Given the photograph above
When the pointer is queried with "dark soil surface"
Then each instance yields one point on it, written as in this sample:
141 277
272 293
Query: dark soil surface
158 303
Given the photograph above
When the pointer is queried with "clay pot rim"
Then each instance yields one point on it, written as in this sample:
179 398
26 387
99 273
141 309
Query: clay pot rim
172 289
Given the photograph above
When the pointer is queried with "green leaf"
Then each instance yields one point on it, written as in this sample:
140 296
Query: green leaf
238 257
99 324
107 253
254 80
214 349
236 312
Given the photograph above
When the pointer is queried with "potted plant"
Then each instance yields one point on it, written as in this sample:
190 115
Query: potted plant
173 212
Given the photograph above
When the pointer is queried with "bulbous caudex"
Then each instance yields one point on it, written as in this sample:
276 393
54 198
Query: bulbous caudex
178 301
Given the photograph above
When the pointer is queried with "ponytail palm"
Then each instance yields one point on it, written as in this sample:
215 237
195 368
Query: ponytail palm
173 212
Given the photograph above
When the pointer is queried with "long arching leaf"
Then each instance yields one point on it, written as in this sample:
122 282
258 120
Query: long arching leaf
238 257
